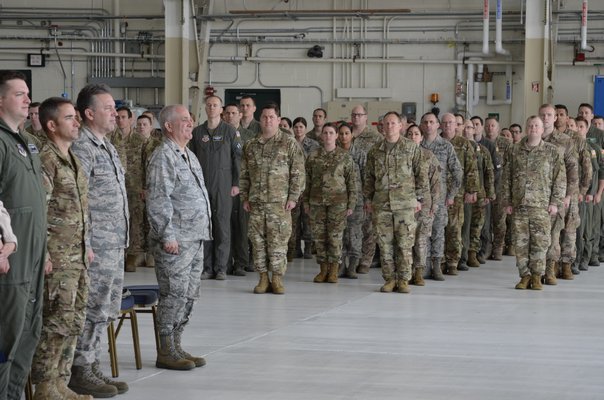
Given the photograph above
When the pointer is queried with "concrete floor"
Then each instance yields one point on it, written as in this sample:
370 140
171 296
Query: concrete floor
470 337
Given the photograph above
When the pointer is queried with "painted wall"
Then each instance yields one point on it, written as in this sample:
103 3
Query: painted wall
306 83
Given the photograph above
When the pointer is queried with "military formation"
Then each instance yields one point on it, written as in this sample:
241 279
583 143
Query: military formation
98 192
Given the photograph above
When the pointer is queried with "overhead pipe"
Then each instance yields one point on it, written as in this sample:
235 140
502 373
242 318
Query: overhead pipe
508 89
584 45
485 27
498 31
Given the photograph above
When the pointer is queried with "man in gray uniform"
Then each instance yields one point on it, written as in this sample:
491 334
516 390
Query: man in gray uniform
219 152
178 208
108 237
450 181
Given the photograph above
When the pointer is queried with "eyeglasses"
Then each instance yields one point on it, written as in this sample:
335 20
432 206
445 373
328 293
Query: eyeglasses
356 115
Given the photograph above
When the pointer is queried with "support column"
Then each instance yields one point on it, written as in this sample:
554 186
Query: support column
181 53
537 56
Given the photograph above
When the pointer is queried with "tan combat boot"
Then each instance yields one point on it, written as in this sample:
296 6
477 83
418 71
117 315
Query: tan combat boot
130 263
168 358
68 394
567 272
473 260
277 284
122 387
524 282
497 254
351 270
47 390
536 282
388 287
332 272
362 269
437 273
263 285
149 260
452 270
550 275
198 361
418 277
322 275
402 286
84 381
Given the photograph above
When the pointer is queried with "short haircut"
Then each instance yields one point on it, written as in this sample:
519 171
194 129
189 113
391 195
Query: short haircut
362 106
247 97
581 119
213 96
429 113
232 105
533 117
478 118
289 121
271 106
143 116
125 108
320 109
49 110
34 104
463 119
86 97
300 120
561 107
397 115
515 126
6 76
329 125
547 105
493 118
598 117
167 114
587 105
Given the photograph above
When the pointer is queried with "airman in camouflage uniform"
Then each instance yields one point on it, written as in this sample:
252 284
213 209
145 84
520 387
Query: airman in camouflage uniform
353 233
35 129
272 178
534 184
108 205
66 285
301 229
466 195
319 118
568 153
450 183
119 136
179 212
395 186
247 105
486 192
364 139
329 198
425 216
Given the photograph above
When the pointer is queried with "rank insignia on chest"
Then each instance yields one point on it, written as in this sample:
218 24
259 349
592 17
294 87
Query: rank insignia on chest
205 139
21 150
217 138
32 148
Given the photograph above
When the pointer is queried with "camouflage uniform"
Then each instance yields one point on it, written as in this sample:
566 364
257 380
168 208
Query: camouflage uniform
454 244
596 135
240 248
219 154
364 142
425 217
486 234
486 191
117 139
178 208
39 137
498 215
330 190
533 179
586 210
108 237
66 287
393 184
253 126
572 220
450 183
568 153
139 225
352 239
301 229
272 173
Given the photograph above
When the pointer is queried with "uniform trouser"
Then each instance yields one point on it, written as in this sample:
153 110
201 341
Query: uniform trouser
179 280
465 231
486 233
270 228
599 227
103 305
240 248
583 233
216 251
21 291
453 244
423 231
301 227
328 223
568 236
590 232
508 231
557 224
369 241
395 231
437 239
532 236
352 239
139 226
63 315
499 227
477 225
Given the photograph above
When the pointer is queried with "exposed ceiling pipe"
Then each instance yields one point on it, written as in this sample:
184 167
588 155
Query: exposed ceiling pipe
584 45
498 31
485 27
